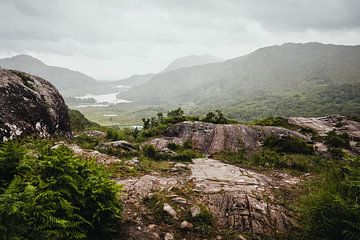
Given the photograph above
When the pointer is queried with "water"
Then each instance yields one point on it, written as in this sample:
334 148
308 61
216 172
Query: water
105 100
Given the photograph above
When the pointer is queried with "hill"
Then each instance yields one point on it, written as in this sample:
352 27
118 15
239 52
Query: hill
64 79
189 61
291 79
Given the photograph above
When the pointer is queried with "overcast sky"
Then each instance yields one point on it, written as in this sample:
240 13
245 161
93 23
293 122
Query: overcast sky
112 39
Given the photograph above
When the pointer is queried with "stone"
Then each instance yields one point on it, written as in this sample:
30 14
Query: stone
212 138
195 211
168 236
30 106
94 133
170 210
133 162
120 144
179 200
186 225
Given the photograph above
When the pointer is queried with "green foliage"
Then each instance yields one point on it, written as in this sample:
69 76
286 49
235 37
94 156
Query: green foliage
10 155
273 121
334 140
330 207
217 118
86 141
150 152
78 121
56 195
288 144
176 115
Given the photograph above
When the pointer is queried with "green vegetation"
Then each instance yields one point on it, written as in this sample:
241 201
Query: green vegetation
78 122
272 121
288 144
86 141
49 193
334 140
329 207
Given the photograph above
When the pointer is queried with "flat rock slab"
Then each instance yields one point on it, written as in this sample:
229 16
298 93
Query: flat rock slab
239 199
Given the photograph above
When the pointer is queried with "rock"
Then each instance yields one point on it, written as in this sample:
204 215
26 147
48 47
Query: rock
236 198
240 199
170 210
117 145
186 225
168 236
133 162
214 138
180 165
195 211
151 226
161 143
30 105
94 133
179 200
323 125
241 237
89 154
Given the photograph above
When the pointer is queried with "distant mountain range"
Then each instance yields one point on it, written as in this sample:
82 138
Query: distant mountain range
300 79
74 83
64 79
192 60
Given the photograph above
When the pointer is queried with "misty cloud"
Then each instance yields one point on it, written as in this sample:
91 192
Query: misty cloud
111 39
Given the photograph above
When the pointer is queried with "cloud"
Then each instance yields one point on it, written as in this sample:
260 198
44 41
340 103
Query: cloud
110 39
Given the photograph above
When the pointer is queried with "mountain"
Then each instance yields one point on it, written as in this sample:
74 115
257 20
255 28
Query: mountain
191 60
134 80
305 79
67 81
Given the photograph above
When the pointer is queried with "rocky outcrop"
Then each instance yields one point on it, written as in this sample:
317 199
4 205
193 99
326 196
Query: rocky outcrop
214 138
237 199
30 105
241 199
322 125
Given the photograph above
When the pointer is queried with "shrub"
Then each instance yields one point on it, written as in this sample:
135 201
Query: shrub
273 121
150 152
56 195
87 142
78 122
330 207
288 144
10 155
334 140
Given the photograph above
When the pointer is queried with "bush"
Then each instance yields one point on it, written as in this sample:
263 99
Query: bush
87 142
150 152
78 121
334 140
330 208
288 144
56 195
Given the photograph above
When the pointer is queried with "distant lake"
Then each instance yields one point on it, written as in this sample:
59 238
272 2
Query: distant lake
104 100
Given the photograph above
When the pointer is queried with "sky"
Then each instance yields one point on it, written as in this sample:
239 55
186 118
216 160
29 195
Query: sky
113 39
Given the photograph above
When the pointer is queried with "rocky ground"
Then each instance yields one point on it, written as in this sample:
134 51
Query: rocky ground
238 200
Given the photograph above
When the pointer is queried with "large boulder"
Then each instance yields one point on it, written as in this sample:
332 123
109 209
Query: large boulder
30 105
214 138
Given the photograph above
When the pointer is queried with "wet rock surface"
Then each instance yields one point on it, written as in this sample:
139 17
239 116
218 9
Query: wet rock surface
214 138
30 105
